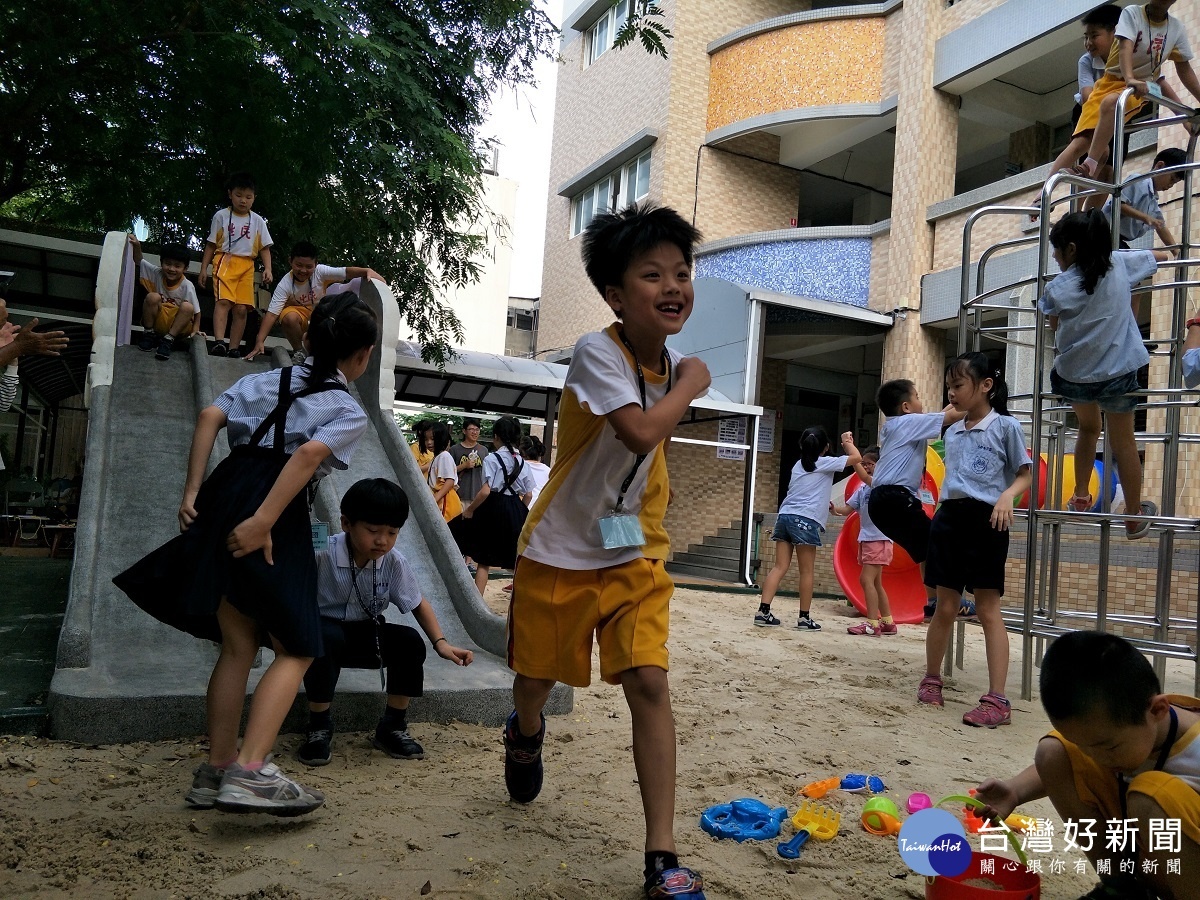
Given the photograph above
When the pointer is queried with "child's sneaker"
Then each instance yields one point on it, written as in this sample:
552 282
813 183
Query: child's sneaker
804 622
523 770
888 628
930 691
298 357
236 353
267 791
165 346
205 785
765 619
992 711
1141 529
220 348
318 749
865 628
147 340
397 743
930 609
966 610
679 882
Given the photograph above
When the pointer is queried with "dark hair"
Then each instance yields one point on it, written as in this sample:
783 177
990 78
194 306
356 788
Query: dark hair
1087 671
813 442
1091 234
467 422
176 252
304 248
532 447
1105 16
894 394
508 430
419 429
614 239
1172 156
340 326
240 180
975 366
376 501
441 437
872 451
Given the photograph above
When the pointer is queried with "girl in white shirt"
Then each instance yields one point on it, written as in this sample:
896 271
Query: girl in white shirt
443 473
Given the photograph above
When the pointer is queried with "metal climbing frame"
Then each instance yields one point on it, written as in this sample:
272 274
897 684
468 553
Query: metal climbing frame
1041 618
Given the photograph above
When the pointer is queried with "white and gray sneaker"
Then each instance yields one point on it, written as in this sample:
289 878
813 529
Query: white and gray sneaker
298 357
205 785
267 791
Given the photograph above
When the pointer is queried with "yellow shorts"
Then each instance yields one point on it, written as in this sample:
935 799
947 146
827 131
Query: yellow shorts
166 318
233 278
1089 118
554 613
303 312
1098 787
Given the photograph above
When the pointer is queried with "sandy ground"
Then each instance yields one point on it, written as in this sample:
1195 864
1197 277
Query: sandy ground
760 712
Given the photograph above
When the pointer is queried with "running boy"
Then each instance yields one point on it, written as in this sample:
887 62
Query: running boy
592 551
1120 749
297 294
353 630
236 237
170 308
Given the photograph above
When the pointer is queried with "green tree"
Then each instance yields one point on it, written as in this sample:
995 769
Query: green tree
358 118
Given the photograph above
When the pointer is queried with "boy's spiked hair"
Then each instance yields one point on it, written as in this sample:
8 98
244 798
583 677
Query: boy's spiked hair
376 501
613 240
174 252
242 180
1086 672
894 394
1105 16
304 248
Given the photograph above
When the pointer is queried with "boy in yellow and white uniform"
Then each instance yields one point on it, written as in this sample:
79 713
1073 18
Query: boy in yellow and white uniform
170 308
236 238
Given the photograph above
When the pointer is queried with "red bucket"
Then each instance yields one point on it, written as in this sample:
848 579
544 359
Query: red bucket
998 883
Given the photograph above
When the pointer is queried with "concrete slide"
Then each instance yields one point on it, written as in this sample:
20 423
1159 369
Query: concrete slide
123 676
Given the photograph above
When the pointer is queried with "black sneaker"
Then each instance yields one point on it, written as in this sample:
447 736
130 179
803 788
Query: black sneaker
318 749
397 743
165 346
522 761
236 353
765 619
220 348
930 609
147 340
804 622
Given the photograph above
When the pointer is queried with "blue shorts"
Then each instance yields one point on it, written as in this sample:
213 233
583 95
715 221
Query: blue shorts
1109 395
799 530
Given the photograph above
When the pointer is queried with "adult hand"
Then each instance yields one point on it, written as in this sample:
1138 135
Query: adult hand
34 343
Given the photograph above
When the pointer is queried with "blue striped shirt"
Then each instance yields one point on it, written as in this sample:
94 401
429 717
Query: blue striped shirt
8 386
331 417
394 582
498 466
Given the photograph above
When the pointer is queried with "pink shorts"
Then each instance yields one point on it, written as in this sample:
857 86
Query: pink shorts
874 553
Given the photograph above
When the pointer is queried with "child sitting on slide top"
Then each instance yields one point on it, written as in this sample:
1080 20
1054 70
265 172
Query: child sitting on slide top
1120 750
170 308
592 552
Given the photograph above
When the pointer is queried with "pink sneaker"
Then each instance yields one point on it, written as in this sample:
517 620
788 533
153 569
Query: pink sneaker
888 628
993 710
930 691
864 628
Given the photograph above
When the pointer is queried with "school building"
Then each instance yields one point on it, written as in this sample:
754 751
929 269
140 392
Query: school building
830 153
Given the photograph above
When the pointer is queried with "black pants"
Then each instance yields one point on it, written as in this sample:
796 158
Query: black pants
900 515
351 645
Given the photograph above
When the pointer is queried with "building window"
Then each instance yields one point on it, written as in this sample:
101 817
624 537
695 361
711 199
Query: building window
618 189
601 35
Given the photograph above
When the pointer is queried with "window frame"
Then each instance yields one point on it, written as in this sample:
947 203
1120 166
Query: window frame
610 21
622 189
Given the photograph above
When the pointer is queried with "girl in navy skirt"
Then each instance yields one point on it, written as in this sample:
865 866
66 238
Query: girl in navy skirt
494 519
245 557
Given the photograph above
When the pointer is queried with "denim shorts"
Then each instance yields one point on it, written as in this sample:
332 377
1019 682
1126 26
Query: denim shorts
799 530
1108 395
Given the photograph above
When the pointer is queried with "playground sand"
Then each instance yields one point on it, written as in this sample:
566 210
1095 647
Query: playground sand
760 712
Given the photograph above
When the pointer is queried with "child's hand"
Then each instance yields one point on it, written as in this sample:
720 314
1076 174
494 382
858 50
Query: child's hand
266 276
252 534
258 348
371 273
133 240
999 797
694 373
847 438
456 655
1002 513
1140 88
8 331
187 511
202 278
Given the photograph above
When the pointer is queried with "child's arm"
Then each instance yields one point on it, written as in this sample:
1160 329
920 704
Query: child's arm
853 456
840 510
265 255
641 430
254 533
1187 78
1002 512
1002 797
448 484
950 415
864 476
210 421
477 500
427 619
1126 58
353 272
136 245
209 249
260 342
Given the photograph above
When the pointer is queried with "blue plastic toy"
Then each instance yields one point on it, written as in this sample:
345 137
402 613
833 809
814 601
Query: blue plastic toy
862 784
746 819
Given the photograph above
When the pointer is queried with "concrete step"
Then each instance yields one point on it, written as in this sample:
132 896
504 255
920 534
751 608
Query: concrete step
714 551
701 559
700 571
713 541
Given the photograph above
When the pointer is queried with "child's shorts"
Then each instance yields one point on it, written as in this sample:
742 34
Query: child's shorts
1112 396
554 613
798 530
233 278
1097 787
900 515
875 553
166 318
1089 116
303 313
965 551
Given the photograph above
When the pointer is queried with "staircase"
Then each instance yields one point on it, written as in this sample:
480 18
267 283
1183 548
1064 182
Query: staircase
715 559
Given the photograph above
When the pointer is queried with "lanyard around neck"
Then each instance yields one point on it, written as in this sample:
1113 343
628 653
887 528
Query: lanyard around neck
1163 755
371 611
641 377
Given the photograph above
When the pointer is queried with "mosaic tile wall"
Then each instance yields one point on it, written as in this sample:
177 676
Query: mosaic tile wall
801 66
826 269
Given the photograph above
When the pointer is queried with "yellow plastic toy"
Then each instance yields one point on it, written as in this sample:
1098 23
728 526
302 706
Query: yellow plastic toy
936 467
1068 484
811 819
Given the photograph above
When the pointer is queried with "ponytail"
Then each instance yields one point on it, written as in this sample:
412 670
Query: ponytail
813 442
975 367
1091 233
508 429
341 326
